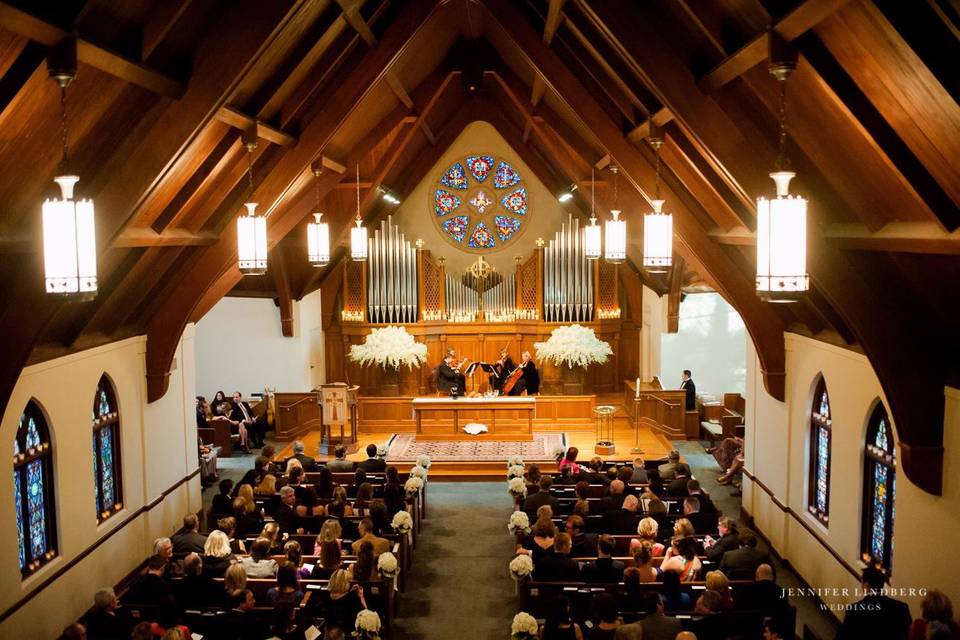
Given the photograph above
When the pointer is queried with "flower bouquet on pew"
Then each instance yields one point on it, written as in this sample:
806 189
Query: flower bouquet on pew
513 461
418 472
412 486
521 567
424 461
519 523
524 627
367 625
517 487
387 565
516 471
402 522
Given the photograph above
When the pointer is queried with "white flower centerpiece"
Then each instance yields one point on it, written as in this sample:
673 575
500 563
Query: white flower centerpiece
524 627
519 523
516 487
513 461
516 471
387 564
367 625
521 567
573 348
389 348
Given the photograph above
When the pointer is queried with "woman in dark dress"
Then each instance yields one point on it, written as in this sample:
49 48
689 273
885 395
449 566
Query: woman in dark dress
345 602
605 614
393 494
218 400
559 624
324 485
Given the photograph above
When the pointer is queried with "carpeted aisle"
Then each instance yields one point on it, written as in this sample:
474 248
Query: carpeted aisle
460 586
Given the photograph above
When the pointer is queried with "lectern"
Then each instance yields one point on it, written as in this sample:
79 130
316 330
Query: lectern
338 408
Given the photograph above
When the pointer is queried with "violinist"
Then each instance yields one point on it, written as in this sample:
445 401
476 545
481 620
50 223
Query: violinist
503 368
531 377
448 375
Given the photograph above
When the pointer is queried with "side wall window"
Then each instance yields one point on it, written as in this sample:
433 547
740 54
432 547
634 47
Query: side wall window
33 490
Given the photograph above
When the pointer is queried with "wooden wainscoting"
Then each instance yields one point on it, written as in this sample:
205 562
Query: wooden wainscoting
297 414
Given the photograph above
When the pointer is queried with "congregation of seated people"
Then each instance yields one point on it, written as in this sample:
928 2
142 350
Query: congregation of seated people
283 553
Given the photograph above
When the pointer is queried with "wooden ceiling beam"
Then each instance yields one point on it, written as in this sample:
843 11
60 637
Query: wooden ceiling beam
896 237
238 120
282 192
916 404
764 325
642 131
147 237
163 17
801 19
675 283
49 35
351 13
554 20
281 283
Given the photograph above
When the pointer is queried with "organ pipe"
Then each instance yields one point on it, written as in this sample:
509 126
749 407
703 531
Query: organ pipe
567 277
391 277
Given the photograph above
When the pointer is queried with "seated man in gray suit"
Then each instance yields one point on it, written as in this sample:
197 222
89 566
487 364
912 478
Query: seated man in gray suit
673 467
340 464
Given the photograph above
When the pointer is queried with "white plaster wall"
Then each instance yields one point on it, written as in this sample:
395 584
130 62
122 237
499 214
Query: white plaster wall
158 449
711 343
778 453
654 324
240 347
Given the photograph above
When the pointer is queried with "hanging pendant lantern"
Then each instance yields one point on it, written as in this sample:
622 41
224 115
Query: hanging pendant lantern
615 231
69 233
251 228
782 221
592 248
318 232
657 226
358 234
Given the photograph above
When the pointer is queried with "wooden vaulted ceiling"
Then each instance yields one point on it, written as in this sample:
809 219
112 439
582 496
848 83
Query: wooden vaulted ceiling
165 91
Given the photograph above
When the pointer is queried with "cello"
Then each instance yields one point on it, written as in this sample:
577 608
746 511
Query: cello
512 379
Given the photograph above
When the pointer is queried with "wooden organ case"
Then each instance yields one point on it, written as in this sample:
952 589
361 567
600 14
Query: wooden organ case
403 284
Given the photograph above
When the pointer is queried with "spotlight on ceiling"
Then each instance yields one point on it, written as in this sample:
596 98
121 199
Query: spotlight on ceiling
567 195
389 196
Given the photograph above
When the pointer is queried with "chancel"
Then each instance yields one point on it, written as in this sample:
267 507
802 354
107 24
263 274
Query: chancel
529 319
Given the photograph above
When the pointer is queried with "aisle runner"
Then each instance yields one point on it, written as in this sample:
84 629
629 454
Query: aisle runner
406 447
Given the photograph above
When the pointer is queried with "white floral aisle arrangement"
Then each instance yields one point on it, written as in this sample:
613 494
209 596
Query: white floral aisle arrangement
418 472
412 486
382 450
516 487
574 346
559 453
424 461
519 523
367 625
521 567
389 348
387 565
516 471
524 627
402 522
513 461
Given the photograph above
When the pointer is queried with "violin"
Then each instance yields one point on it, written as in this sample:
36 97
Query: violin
512 379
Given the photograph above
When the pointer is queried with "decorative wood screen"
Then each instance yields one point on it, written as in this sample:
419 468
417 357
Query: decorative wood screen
608 300
528 288
354 276
432 304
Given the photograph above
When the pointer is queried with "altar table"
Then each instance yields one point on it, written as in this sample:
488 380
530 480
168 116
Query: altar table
458 405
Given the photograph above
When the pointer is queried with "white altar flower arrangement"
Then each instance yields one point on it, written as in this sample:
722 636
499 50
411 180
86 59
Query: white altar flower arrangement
424 461
521 567
524 627
402 522
418 472
387 565
367 625
389 348
516 487
516 471
513 461
519 523
412 486
573 345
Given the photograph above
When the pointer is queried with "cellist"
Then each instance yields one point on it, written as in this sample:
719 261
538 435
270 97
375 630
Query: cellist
503 367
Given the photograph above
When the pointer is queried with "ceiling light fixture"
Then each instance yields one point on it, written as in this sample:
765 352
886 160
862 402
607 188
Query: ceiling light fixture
591 234
358 234
251 227
318 232
657 225
615 228
69 234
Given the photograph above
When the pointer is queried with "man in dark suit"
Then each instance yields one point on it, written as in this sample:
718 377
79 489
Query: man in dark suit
372 464
673 467
190 540
542 497
243 413
615 499
285 515
150 588
875 615
702 522
238 623
728 541
622 521
742 563
449 377
656 625
694 491
765 595
604 569
308 463
583 545
558 565
593 473
197 589
340 464
103 623
691 389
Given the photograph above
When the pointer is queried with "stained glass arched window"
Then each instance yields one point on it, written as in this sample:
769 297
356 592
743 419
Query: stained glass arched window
33 490
106 451
879 488
818 496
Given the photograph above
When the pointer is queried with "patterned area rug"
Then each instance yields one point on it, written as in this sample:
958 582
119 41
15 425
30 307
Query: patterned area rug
406 447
